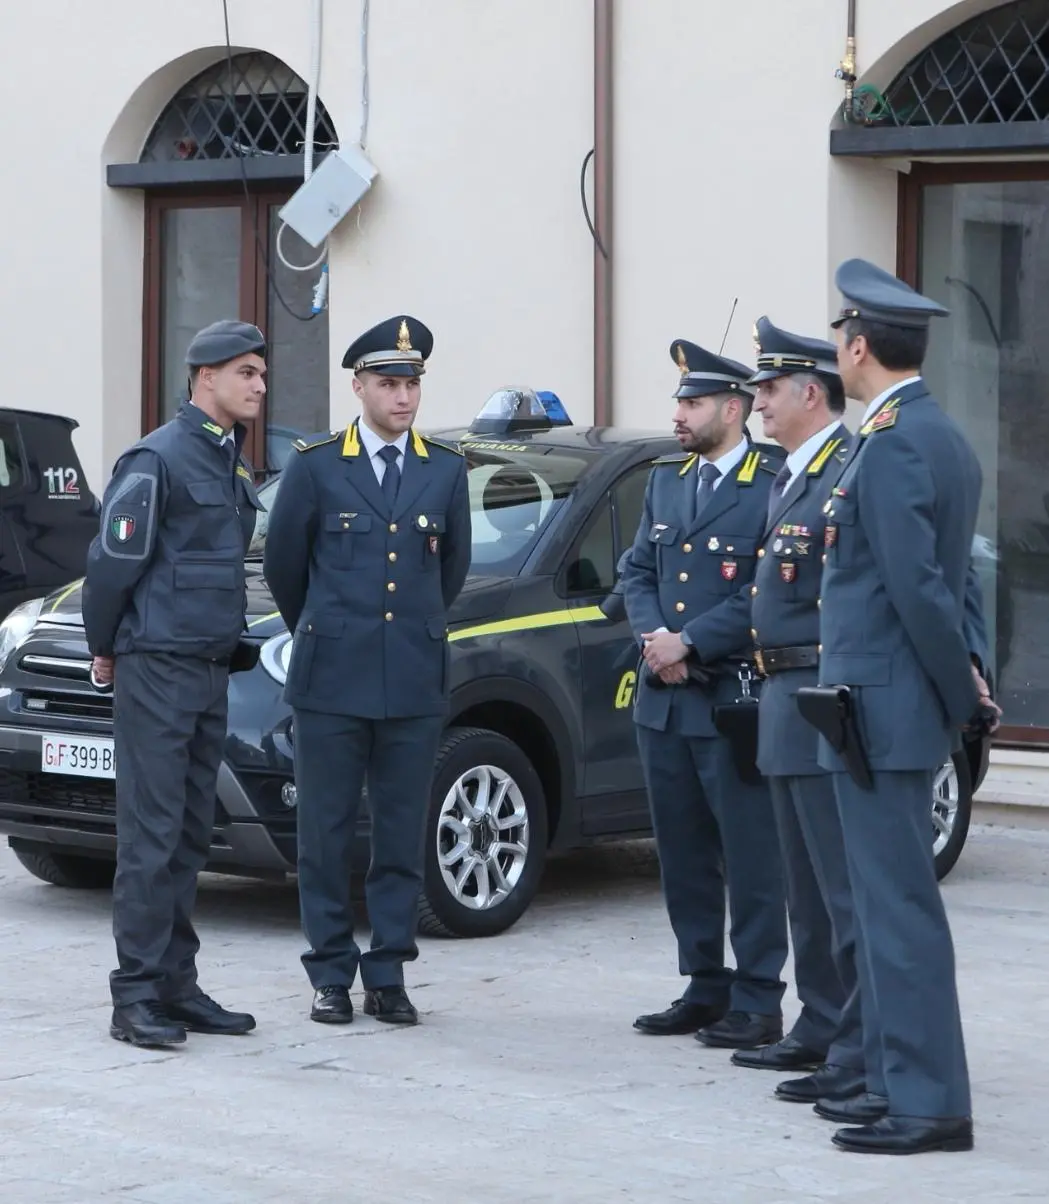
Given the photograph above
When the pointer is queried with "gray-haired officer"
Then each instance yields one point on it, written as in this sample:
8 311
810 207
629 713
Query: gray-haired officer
368 546
898 537
801 402
163 606
697 544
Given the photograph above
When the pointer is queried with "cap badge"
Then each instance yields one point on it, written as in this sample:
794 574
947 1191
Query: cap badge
404 338
682 362
757 339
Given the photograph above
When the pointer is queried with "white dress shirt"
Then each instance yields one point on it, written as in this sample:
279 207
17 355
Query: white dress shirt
726 463
882 398
798 460
373 444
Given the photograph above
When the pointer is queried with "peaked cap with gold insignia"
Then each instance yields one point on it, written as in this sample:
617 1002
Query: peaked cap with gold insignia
703 373
397 347
782 354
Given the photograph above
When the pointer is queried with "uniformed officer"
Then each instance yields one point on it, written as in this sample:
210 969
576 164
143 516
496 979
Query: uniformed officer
164 602
801 402
696 546
368 546
899 531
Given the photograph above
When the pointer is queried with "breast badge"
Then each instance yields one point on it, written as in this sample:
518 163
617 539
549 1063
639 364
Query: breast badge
788 571
830 535
729 569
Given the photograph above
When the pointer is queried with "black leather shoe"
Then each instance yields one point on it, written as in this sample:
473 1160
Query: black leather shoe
332 1005
788 1054
202 1014
145 1024
742 1030
391 1005
907 1135
829 1083
681 1017
858 1110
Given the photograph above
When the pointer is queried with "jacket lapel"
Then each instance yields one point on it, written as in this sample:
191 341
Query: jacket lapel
811 472
360 473
414 474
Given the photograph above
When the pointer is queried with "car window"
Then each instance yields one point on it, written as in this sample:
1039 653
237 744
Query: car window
11 475
591 566
515 490
629 503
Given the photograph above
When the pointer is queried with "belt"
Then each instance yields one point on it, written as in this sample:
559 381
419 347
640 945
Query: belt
776 660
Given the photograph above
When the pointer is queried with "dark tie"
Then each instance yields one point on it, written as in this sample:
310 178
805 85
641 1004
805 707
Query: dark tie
391 478
708 474
778 486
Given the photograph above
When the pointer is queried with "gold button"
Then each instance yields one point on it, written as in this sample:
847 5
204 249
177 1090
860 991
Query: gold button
682 576
753 633
753 591
392 557
393 528
819 648
824 558
761 552
686 547
819 603
679 607
391 586
389 615
345 526
309 626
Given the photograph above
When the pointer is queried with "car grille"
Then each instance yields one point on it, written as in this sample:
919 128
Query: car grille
93 796
68 706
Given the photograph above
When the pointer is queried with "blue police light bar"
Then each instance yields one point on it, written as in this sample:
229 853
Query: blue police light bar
515 409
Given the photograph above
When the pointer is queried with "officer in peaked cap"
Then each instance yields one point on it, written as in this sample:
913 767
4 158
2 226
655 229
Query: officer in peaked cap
695 548
801 402
163 606
368 547
899 530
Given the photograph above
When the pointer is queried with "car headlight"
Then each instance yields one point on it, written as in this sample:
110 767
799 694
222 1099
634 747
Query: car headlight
276 656
16 627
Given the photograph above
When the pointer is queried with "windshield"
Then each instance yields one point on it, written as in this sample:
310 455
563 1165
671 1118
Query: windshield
515 490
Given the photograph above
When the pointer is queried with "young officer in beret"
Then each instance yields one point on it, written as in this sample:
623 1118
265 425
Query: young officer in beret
163 606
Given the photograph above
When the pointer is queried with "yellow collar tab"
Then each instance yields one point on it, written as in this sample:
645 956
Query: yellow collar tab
819 460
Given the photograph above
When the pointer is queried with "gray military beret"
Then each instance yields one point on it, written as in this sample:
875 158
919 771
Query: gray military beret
224 341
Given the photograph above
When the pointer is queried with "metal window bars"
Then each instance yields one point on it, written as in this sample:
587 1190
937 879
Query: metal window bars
262 113
991 70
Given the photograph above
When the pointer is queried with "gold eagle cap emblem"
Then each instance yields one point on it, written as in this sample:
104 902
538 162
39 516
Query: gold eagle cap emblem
682 362
404 338
757 339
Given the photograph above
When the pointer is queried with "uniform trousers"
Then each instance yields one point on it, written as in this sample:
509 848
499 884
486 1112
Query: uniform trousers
336 756
169 728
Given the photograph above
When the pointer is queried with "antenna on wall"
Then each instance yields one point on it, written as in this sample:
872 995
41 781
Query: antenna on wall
729 326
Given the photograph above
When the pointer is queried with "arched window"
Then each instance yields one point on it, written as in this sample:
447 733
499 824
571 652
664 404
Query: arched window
981 87
222 158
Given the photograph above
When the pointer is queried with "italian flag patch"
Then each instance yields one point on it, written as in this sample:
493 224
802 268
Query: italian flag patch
123 527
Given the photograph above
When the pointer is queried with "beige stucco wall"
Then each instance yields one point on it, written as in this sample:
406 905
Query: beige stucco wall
481 112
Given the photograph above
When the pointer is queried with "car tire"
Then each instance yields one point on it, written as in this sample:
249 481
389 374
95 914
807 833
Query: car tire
952 804
68 870
470 761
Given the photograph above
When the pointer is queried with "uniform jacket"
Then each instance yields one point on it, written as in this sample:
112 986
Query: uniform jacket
898 537
684 573
364 588
785 606
166 571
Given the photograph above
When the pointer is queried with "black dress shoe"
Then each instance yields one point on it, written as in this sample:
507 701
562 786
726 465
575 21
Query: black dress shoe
742 1030
202 1014
332 1005
907 1135
681 1017
788 1054
391 1005
857 1110
145 1024
829 1083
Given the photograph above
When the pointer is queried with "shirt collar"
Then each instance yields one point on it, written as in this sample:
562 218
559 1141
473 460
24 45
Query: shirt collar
729 460
882 398
373 443
194 415
799 459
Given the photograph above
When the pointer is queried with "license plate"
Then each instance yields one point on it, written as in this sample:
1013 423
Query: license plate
81 756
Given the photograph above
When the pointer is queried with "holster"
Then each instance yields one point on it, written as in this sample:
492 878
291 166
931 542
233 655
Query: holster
832 712
245 656
738 723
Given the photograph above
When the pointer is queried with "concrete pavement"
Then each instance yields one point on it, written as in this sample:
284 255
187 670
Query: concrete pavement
525 1083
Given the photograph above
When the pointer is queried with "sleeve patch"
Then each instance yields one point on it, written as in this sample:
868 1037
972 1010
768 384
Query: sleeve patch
129 518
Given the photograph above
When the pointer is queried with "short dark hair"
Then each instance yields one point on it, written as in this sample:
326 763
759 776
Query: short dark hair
745 399
194 376
830 386
894 347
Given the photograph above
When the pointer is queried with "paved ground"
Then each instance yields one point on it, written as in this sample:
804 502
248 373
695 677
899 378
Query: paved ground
525 1083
